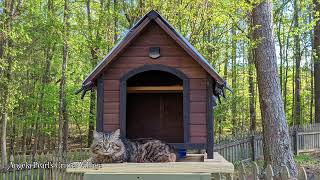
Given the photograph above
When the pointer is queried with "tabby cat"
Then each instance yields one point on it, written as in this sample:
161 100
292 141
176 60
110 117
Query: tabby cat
111 148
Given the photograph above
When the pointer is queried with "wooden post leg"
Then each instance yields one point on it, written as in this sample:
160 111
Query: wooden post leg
210 120
296 141
210 152
253 145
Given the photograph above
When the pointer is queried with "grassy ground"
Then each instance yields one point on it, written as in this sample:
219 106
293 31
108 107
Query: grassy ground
310 161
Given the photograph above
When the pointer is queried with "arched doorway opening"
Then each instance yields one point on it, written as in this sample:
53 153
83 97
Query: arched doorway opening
156 104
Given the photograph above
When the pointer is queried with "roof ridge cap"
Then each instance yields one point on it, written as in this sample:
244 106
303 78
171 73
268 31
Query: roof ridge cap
153 14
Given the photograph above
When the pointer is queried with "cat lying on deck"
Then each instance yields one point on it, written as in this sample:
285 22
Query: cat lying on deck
111 148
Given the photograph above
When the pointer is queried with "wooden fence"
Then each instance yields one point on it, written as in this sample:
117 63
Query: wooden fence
242 148
40 174
44 166
250 147
306 138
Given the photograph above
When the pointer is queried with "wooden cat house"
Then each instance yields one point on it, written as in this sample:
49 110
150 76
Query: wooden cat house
154 84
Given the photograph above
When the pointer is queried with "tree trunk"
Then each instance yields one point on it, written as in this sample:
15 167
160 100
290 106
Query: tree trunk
6 55
252 107
297 56
293 99
91 117
115 19
44 82
316 65
63 115
12 137
65 128
285 83
225 76
94 60
24 139
311 117
280 49
49 53
4 119
235 128
275 128
226 60
92 95
286 54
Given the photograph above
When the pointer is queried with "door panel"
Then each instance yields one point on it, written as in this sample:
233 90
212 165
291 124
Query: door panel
155 115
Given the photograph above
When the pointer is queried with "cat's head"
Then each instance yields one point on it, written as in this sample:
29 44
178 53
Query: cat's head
107 143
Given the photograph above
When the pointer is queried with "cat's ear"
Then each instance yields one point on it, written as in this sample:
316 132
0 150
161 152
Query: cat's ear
97 135
116 134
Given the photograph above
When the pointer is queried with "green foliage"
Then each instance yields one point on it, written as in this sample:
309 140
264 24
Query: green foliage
305 159
37 35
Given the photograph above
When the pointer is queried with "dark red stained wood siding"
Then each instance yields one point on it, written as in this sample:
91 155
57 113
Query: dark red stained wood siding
172 55
198 139
111 107
127 62
192 72
112 85
198 118
197 96
198 107
110 127
143 51
111 119
111 96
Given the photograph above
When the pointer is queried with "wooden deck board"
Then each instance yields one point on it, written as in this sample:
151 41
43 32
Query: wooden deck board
216 165
147 176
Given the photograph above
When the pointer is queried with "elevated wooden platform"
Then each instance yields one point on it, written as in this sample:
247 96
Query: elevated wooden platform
218 165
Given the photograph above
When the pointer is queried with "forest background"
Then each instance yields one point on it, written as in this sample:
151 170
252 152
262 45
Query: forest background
47 47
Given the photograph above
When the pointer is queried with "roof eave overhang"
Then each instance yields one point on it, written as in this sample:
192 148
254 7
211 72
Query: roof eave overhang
122 44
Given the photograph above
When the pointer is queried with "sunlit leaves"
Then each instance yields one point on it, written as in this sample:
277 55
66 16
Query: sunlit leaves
37 32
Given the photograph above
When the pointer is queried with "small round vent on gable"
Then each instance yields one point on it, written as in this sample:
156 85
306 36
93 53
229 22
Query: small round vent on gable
154 52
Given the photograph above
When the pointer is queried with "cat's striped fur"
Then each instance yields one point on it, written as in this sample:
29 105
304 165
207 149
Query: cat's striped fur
110 148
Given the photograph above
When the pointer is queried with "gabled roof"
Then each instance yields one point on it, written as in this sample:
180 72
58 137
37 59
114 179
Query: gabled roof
134 31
